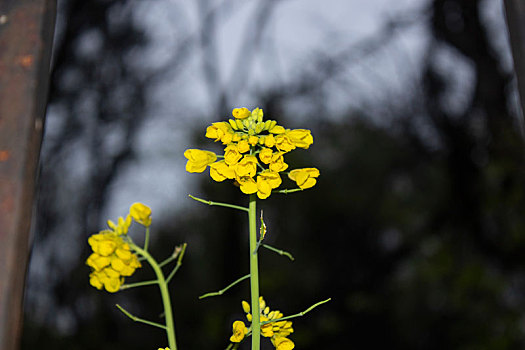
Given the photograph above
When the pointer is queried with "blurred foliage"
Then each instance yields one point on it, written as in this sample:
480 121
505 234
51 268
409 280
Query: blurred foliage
418 237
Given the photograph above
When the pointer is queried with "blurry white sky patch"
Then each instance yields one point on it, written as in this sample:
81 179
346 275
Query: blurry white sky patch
297 33
296 36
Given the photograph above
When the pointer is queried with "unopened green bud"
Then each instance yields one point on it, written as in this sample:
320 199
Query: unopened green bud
233 124
259 127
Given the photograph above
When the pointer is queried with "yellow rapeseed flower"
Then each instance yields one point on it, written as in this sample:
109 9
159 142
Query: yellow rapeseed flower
300 137
241 113
141 213
243 146
232 154
269 141
239 332
218 130
253 140
283 343
266 155
220 171
246 167
247 184
284 143
266 181
277 331
277 129
305 178
198 160
277 163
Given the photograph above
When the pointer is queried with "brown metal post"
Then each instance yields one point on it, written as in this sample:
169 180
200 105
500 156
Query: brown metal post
515 14
26 35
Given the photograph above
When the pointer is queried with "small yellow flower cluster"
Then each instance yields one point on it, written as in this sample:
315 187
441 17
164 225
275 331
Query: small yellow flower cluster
277 331
253 154
112 259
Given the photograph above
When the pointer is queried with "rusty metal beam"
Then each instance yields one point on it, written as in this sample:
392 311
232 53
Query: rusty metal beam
26 35
515 15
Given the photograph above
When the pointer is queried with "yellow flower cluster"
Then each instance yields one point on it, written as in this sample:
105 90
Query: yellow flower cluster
112 258
253 154
277 331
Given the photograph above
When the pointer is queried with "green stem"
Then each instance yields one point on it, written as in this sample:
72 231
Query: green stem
279 251
286 191
220 204
299 314
180 253
221 292
146 240
254 274
163 286
138 284
176 253
138 319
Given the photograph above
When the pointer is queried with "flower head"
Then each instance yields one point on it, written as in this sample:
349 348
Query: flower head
111 261
254 151
141 213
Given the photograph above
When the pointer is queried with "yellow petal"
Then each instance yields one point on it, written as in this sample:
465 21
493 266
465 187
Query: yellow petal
141 213
245 306
241 113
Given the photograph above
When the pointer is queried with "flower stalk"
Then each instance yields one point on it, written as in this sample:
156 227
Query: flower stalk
254 274
166 302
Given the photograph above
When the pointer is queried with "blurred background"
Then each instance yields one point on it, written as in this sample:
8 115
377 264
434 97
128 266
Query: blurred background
415 229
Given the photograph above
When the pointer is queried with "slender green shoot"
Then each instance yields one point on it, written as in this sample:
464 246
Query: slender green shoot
279 251
299 314
146 240
173 256
166 302
138 284
286 191
233 346
138 319
221 292
180 253
220 204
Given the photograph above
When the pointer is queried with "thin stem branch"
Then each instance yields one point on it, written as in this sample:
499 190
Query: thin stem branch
279 251
174 255
286 191
180 253
221 292
138 284
166 302
138 319
146 240
233 206
299 314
